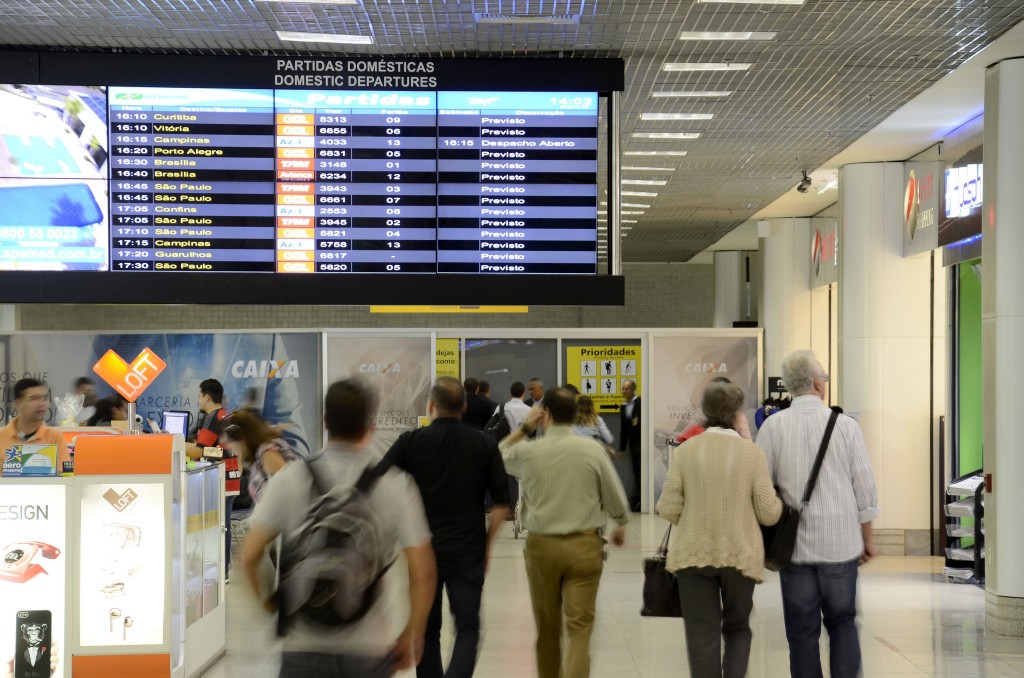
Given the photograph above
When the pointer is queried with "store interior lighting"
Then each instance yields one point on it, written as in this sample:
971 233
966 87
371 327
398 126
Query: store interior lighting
337 38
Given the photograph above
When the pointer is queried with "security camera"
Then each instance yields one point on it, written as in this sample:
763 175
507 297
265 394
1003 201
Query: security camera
805 183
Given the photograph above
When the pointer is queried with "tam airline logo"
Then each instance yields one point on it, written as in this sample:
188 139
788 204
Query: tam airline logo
707 368
265 369
130 380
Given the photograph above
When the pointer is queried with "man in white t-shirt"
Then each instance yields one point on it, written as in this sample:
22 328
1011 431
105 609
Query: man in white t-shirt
364 648
515 409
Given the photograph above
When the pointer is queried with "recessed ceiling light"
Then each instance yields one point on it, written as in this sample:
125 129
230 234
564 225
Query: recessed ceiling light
706 94
754 2
316 2
654 153
644 182
641 194
666 135
340 39
705 66
726 35
527 19
676 116
637 168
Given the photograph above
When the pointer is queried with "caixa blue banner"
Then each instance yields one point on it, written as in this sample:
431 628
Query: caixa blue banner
275 373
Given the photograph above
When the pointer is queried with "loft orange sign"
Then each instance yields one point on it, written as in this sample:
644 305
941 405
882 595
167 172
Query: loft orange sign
129 380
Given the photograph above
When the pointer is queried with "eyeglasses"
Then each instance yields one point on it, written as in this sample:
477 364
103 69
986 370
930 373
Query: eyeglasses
825 378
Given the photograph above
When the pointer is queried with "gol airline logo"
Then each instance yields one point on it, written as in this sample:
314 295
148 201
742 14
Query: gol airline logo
270 369
122 500
129 380
707 368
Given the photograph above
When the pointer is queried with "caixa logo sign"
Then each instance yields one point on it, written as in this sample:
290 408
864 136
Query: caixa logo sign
380 368
265 369
707 368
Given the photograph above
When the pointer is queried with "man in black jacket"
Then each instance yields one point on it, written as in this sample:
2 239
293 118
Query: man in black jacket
454 466
479 408
629 435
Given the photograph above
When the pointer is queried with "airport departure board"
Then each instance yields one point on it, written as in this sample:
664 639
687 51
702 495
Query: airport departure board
301 166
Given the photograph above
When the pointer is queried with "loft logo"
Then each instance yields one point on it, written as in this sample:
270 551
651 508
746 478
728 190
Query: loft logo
380 368
120 501
707 368
129 380
269 369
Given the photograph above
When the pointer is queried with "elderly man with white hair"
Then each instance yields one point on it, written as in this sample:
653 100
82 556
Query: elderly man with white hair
835 534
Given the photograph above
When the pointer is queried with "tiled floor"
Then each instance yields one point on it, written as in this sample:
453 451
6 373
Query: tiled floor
912 623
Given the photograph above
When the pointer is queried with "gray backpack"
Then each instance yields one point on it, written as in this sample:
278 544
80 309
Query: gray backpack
330 574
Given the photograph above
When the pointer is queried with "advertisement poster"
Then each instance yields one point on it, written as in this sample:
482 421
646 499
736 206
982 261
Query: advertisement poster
598 372
33 578
276 373
824 251
681 368
399 370
446 358
122 564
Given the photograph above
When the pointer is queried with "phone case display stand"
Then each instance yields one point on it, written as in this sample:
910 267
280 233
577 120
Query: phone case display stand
119 570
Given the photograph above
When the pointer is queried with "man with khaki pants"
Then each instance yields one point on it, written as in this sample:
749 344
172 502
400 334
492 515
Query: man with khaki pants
569 490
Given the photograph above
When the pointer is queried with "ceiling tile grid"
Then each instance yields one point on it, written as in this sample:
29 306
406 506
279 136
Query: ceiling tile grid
828 72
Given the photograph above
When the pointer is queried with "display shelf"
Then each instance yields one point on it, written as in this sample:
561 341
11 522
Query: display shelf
965 529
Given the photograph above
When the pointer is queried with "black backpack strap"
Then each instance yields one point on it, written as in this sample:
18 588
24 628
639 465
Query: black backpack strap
371 474
813 480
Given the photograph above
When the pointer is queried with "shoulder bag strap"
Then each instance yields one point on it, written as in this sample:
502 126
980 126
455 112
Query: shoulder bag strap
813 480
663 549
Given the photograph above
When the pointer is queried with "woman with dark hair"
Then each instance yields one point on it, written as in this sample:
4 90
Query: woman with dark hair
108 410
716 492
260 448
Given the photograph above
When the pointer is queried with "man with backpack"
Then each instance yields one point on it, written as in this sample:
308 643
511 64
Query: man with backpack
343 517
454 465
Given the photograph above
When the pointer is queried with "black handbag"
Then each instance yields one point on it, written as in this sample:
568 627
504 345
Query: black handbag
661 594
780 538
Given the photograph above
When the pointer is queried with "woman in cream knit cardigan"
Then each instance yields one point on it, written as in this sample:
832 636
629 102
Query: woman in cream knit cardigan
717 491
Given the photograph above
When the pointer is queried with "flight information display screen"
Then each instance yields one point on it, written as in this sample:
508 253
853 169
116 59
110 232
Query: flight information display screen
255 170
317 181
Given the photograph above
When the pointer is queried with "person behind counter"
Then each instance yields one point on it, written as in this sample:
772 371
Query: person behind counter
32 404
107 410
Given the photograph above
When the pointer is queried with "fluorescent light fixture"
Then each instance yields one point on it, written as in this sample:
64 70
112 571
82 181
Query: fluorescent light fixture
704 94
671 67
834 183
632 204
338 38
630 221
637 168
753 2
676 116
639 194
527 19
635 212
679 153
666 135
726 35
603 211
315 2
644 182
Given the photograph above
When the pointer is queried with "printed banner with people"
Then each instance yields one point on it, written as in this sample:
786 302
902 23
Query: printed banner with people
681 368
275 373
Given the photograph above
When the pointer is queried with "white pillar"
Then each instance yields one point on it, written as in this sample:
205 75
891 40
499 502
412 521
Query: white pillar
728 292
1002 335
884 342
786 291
8 318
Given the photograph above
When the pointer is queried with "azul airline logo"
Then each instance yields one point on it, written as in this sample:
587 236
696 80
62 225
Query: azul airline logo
268 369
707 368
380 368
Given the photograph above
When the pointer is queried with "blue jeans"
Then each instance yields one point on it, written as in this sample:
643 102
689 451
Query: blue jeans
317 665
465 584
812 593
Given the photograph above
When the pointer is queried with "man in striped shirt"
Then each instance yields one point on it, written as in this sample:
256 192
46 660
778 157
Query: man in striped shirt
835 534
570 489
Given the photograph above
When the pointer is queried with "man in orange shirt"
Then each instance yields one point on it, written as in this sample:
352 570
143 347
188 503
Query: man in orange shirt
32 403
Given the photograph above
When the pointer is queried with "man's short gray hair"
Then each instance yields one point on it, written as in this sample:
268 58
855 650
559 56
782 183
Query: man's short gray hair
799 370
721 402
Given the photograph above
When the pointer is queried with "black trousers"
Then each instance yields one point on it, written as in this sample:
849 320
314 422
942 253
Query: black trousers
634 499
716 604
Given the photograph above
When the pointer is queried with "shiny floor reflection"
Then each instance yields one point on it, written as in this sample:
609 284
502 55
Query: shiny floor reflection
913 623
